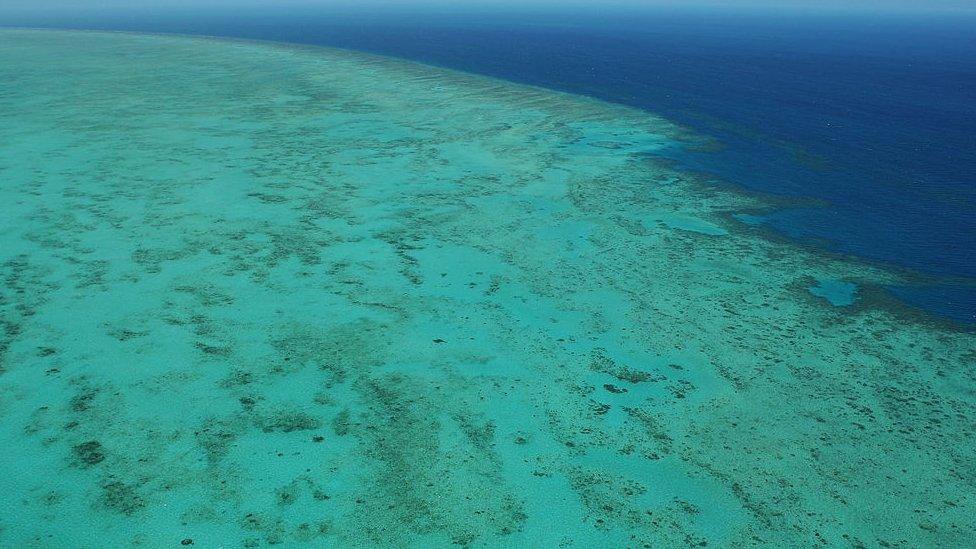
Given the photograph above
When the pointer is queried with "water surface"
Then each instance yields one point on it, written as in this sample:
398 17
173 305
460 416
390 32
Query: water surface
259 294
859 121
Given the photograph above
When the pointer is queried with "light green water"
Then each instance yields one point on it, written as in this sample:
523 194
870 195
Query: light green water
836 292
260 295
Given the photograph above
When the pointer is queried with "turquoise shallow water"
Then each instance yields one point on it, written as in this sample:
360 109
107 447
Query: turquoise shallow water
266 295
837 292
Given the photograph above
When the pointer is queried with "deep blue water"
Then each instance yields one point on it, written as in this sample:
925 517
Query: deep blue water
867 120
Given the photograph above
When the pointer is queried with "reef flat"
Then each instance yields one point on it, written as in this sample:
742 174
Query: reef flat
258 294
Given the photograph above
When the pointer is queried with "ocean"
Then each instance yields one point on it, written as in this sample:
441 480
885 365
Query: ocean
862 123
636 293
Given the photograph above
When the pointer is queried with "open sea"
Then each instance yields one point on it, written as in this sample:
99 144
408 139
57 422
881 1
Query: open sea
474 278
